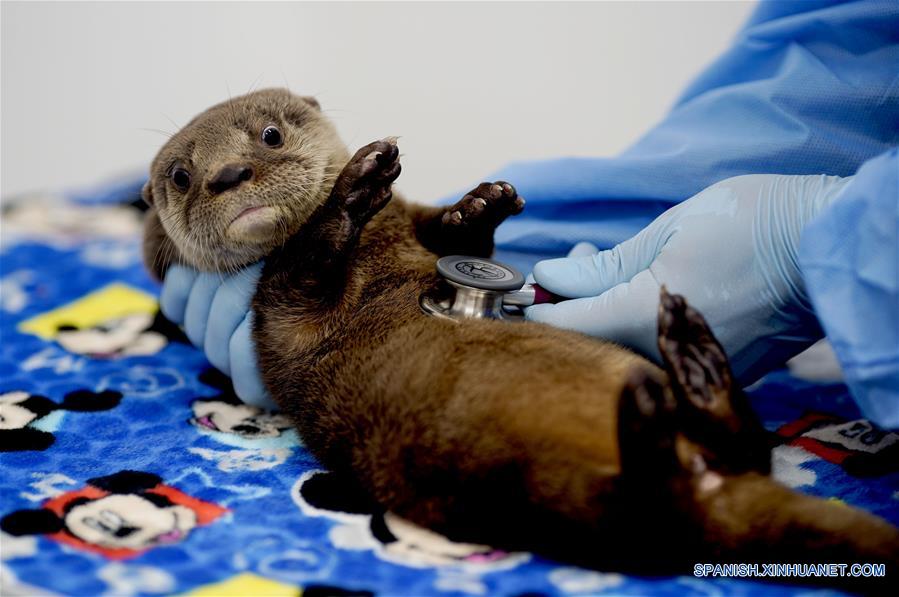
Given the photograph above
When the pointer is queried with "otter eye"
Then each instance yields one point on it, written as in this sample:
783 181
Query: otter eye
181 179
271 136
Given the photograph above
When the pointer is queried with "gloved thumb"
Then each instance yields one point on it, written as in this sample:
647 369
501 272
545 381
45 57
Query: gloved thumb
626 314
583 249
578 277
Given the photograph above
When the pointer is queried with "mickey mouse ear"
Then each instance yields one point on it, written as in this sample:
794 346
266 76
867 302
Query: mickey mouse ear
220 381
126 482
31 522
25 438
88 401
338 493
215 378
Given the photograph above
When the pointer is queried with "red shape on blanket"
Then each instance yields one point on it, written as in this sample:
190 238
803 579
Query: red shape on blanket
119 516
859 446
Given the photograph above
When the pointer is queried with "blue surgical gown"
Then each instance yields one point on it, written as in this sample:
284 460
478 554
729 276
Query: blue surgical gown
808 87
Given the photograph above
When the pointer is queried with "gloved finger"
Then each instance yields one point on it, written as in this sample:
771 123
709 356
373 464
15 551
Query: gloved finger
626 314
228 310
196 314
583 249
245 376
175 290
578 277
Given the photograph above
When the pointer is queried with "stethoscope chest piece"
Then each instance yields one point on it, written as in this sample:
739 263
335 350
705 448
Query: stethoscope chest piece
479 288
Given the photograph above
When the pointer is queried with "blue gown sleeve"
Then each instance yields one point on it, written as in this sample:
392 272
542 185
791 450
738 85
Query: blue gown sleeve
808 87
849 257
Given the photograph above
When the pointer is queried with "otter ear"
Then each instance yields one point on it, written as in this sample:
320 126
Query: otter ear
146 194
159 250
312 102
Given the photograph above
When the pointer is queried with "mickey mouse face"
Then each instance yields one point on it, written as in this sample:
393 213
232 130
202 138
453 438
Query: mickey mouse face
364 525
129 521
19 410
13 414
246 421
405 540
124 336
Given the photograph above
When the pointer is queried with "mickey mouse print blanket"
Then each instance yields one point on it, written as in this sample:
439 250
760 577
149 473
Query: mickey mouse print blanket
130 467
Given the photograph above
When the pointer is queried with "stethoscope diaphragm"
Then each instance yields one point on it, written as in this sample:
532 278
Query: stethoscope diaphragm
482 288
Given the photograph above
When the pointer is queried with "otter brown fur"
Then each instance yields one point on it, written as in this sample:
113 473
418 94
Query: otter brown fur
517 435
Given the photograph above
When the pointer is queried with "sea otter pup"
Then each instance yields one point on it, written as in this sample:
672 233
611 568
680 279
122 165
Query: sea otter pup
517 435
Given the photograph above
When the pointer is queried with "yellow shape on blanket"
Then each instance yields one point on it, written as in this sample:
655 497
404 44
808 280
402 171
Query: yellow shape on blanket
246 584
110 302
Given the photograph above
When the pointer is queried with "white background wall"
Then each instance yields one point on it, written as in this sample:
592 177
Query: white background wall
467 86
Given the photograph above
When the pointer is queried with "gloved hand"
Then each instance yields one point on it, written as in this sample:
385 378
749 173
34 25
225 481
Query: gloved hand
731 250
214 310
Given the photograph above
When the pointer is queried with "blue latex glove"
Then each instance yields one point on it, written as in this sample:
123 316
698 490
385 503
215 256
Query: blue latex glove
731 251
215 313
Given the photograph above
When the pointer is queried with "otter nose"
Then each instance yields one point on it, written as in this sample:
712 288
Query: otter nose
228 177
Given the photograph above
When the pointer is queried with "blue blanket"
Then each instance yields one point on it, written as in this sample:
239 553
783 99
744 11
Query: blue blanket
131 468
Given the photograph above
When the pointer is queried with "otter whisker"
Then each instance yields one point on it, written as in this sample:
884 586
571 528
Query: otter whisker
170 119
254 83
159 131
231 105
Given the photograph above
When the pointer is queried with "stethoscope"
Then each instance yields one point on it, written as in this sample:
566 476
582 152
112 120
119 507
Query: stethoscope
482 288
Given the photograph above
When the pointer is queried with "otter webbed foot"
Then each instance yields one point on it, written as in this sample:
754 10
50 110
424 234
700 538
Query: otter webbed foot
363 187
647 427
715 411
693 357
699 405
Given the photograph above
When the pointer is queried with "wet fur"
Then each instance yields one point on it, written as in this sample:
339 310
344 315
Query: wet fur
517 435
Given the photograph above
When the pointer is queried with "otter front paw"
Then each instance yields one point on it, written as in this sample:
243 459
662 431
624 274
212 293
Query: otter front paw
364 185
485 207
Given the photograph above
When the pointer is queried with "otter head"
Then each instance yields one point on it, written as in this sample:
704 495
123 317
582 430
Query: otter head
238 180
